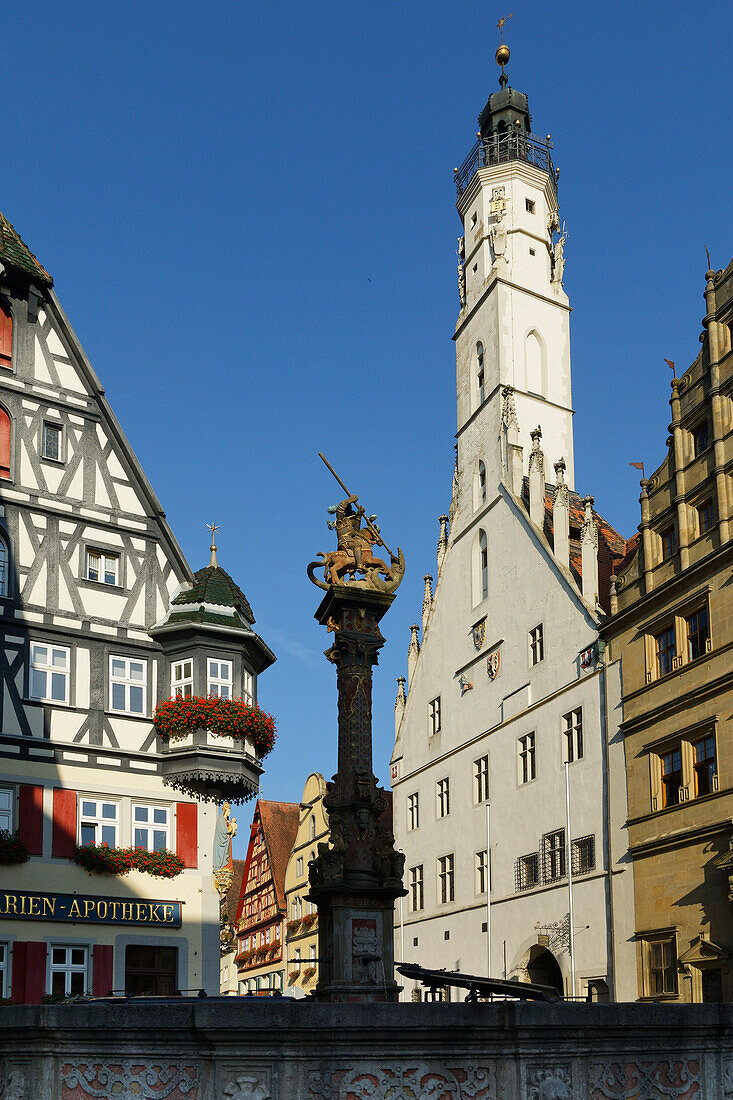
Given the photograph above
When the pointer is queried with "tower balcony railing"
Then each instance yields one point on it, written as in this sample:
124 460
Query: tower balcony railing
500 149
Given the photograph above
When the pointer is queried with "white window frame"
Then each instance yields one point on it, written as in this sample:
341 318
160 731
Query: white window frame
151 826
313 827
4 968
572 728
180 679
434 716
68 968
214 683
248 687
446 879
413 811
442 794
537 645
49 671
527 758
481 869
58 428
107 565
98 819
417 888
7 808
481 779
127 682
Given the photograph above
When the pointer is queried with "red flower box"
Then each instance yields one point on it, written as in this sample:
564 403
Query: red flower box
180 716
101 859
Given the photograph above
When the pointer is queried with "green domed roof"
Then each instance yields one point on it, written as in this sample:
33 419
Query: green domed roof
212 587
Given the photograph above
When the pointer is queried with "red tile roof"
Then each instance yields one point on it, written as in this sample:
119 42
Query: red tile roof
16 254
279 824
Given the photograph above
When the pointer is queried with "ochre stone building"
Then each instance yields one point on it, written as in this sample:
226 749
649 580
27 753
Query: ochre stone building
672 628
301 942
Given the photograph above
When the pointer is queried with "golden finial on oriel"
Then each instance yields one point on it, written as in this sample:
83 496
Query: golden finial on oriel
213 527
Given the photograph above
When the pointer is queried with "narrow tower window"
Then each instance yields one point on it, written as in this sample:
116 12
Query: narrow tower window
480 380
534 365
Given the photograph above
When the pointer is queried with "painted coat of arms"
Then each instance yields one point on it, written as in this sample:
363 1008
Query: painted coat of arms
493 663
478 632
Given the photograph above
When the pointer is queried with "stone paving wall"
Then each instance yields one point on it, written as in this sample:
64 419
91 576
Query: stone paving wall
242 1049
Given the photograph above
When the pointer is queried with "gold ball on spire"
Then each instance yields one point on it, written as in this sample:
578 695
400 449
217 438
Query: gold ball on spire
502 54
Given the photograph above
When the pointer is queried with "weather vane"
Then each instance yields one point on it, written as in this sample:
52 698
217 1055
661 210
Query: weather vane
502 53
213 527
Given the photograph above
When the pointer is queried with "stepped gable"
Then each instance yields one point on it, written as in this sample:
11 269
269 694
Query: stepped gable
15 253
213 588
279 825
613 548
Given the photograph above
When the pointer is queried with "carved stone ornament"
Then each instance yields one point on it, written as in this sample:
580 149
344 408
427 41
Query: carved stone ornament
497 206
508 408
353 563
550 1084
12 1083
128 1078
465 684
223 880
478 632
493 663
663 1080
374 1082
248 1087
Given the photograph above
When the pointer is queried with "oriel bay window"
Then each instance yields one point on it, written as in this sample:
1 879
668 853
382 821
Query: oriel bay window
182 679
219 678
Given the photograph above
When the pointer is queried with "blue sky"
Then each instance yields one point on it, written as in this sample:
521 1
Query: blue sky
248 211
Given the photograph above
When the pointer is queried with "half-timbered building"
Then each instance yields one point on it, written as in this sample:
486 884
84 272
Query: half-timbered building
101 618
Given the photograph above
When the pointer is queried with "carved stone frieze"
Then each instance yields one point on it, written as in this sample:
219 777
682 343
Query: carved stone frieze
128 1078
553 1083
13 1084
375 1082
248 1086
660 1080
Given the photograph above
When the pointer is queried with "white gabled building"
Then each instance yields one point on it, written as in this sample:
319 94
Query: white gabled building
101 618
507 681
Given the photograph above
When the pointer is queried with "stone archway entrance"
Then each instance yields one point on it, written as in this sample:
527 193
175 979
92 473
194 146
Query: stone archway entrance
543 969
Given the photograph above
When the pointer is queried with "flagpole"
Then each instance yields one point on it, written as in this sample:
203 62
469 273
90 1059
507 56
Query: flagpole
488 890
569 865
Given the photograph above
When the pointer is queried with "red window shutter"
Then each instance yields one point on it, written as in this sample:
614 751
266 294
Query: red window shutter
30 818
187 842
5 434
29 972
64 823
6 337
102 976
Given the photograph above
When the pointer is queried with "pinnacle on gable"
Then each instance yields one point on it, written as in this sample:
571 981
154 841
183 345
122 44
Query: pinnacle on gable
442 541
427 603
413 652
561 516
589 554
537 480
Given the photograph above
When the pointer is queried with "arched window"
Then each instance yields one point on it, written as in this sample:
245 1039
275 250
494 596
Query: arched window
480 568
4 566
479 485
534 365
6 336
480 375
5 441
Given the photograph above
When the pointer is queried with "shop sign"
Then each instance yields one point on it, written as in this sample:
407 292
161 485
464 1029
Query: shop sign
27 905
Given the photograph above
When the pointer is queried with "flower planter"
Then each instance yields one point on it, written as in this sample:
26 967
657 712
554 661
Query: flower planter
100 859
12 849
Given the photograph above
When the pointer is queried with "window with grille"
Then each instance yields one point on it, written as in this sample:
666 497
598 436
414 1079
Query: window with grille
665 647
182 679
434 716
527 871
526 750
445 879
536 644
103 568
98 821
481 779
482 871
413 811
69 970
584 855
573 735
443 794
151 827
219 678
51 441
698 633
49 673
671 767
416 889
553 856
705 766
128 681
662 967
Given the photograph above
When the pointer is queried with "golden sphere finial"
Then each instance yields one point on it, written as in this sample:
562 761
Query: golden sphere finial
502 55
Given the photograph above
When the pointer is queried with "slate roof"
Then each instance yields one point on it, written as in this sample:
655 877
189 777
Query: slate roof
280 826
213 585
612 547
15 253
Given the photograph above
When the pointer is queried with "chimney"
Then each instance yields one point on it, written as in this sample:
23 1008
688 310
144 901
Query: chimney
561 516
589 554
427 602
399 704
413 652
537 480
442 541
